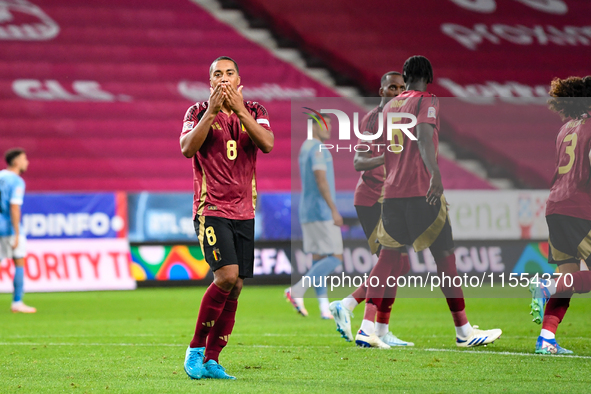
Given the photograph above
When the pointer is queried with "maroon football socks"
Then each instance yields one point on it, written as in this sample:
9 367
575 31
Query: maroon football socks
210 310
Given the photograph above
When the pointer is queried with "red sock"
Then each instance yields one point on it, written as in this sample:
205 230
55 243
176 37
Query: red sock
555 310
360 293
384 309
388 258
220 333
405 264
370 312
581 283
385 305
211 307
453 295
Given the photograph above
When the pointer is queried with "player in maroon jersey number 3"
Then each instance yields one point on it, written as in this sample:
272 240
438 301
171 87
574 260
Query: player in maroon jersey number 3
222 137
568 212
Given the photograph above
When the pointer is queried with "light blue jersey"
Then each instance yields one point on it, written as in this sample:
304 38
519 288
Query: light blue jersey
313 207
12 191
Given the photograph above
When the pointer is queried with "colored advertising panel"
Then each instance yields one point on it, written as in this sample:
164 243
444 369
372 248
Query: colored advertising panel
185 262
472 257
73 265
168 217
74 215
75 242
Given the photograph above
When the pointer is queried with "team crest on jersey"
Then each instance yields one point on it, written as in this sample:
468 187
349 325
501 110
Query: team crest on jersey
188 126
431 113
397 103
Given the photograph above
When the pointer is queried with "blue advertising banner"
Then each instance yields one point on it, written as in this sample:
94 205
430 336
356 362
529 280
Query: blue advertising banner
167 217
74 215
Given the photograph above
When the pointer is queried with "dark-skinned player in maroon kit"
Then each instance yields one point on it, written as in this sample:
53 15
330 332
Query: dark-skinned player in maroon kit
223 136
568 212
414 211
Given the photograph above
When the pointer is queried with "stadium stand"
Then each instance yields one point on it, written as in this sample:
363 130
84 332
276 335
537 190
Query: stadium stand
477 52
96 93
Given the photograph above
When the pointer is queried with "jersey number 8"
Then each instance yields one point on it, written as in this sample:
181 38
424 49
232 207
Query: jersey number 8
210 233
231 151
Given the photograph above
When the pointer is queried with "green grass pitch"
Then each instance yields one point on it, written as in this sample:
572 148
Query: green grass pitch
134 342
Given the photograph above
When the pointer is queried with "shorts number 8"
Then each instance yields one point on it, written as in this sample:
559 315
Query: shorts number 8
211 239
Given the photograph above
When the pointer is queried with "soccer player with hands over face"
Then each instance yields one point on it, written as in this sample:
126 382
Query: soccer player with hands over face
222 137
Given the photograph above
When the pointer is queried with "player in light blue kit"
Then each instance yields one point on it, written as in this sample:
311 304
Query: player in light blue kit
319 217
13 243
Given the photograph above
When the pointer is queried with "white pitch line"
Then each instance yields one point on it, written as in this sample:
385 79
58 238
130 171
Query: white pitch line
503 353
288 346
239 334
146 345
90 344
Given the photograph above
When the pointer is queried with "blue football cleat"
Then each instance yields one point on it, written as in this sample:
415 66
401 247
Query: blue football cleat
342 317
550 346
194 362
214 370
539 297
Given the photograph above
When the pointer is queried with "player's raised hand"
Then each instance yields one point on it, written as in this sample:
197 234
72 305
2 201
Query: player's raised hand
216 98
435 189
234 98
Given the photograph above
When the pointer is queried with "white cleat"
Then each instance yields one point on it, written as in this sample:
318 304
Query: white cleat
393 340
326 315
342 317
479 337
372 340
297 303
20 307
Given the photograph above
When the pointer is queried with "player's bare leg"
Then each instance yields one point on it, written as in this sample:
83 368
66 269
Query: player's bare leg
18 306
466 334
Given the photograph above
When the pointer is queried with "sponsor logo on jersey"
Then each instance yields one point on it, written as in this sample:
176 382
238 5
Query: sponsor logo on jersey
431 112
212 208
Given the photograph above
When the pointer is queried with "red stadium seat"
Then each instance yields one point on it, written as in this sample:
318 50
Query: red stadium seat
100 105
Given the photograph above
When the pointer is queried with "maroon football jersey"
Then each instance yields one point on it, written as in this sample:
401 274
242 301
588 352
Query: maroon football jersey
406 174
571 192
370 186
224 175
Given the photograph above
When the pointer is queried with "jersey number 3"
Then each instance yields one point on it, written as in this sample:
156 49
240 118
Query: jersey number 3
231 150
570 151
